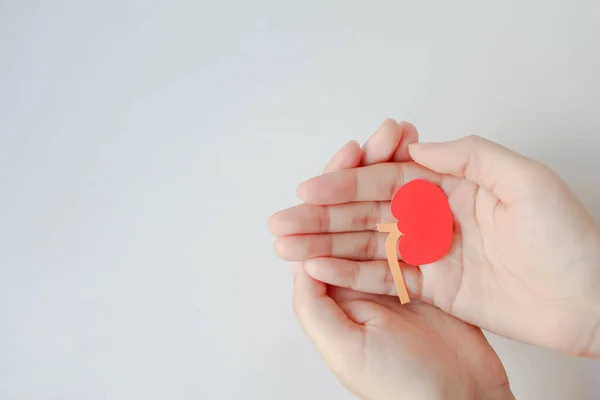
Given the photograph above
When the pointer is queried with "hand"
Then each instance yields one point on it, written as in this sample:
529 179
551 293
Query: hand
377 348
381 350
526 259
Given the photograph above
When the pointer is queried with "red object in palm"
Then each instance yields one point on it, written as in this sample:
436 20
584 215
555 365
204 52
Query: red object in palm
424 220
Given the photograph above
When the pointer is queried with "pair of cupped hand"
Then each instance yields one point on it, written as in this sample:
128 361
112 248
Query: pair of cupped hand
525 264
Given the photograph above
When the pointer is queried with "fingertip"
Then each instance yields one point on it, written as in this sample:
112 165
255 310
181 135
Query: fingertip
352 155
305 282
389 123
347 157
353 144
410 132
270 224
313 267
282 249
273 222
324 189
302 190
409 126
389 142
283 222
408 135
477 160
433 156
418 150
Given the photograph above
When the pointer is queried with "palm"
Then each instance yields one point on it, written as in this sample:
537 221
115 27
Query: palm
501 260
505 273
414 351
522 265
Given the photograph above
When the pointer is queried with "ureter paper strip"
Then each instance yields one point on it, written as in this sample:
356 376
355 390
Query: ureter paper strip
391 243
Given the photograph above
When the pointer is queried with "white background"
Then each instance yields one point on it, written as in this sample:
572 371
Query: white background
139 138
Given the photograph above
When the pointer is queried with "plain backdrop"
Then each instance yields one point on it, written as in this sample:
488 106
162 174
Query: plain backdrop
143 144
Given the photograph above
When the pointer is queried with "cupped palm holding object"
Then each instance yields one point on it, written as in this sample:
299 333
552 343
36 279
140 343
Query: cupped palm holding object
525 258
524 263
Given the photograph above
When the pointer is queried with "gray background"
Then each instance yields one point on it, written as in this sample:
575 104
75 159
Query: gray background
138 137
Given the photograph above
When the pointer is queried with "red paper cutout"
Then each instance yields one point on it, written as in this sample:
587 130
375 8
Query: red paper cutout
425 221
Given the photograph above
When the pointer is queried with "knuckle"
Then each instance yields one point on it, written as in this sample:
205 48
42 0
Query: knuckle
370 246
536 172
362 221
324 219
369 219
538 176
473 140
472 165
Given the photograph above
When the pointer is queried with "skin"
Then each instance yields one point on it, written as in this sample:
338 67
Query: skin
526 259
344 296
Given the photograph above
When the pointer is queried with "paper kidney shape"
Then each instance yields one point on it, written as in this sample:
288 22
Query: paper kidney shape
425 220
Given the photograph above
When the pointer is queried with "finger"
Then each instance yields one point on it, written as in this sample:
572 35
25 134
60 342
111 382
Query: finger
390 143
478 160
365 308
349 217
372 183
351 245
348 156
322 319
365 276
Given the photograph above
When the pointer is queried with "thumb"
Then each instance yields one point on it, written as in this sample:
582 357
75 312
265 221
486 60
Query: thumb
480 161
329 328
